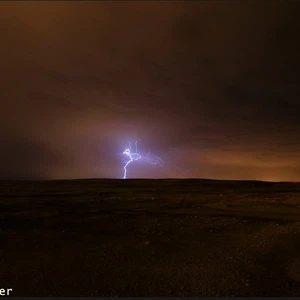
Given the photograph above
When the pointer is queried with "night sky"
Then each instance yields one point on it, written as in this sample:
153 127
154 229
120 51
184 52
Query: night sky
211 87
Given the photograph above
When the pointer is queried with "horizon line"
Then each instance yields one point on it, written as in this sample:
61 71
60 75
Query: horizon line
169 178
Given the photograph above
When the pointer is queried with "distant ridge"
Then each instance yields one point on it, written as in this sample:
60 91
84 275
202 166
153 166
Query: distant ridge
155 179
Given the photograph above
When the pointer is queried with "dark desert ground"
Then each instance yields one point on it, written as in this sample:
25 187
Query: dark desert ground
188 237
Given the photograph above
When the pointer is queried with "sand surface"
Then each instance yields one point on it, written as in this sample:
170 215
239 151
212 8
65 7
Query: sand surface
150 238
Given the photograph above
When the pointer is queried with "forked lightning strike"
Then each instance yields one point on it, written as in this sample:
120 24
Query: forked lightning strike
133 156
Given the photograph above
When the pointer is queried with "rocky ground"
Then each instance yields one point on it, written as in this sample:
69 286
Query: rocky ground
150 238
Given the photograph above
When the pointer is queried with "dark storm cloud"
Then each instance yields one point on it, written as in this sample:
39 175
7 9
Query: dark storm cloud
23 158
209 86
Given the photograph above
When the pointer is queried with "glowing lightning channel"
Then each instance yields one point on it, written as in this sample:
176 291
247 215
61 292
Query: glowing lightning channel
154 160
133 156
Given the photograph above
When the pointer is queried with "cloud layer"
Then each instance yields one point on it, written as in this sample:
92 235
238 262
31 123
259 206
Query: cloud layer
211 87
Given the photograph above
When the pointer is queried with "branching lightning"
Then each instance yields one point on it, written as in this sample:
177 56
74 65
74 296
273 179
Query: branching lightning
134 156
153 159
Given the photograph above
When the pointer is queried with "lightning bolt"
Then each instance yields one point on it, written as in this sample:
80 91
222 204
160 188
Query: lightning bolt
133 156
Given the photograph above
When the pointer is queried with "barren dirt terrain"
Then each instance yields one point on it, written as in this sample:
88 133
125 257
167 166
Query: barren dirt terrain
150 238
